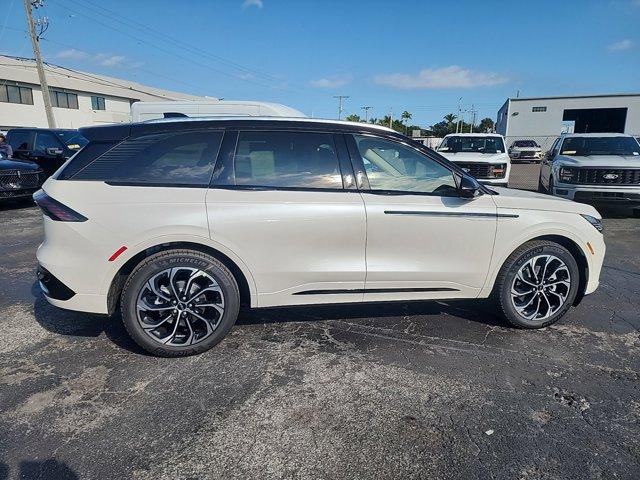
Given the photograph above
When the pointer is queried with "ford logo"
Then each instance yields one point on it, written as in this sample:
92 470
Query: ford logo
610 176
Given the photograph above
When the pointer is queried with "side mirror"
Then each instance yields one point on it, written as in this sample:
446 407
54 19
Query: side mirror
468 187
54 151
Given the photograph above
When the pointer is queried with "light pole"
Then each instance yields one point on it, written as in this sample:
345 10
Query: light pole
340 99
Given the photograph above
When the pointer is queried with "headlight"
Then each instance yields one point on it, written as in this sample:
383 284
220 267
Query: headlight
567 175
596 222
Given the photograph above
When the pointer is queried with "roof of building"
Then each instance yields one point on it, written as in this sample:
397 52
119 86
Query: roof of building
562 97
23 70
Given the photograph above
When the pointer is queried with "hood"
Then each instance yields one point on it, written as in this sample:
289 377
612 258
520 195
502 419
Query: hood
606 161
473 157
524 200
10 164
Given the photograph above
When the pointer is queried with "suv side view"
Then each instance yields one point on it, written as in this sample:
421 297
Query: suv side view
49 148
179 222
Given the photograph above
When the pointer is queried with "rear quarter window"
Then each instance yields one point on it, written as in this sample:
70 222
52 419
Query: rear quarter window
171 159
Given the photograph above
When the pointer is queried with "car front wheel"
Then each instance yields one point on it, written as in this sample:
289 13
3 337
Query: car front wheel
537 284
179 303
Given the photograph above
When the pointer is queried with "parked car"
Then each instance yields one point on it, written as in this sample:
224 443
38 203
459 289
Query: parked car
178 222
594 168
527 150
18 179
483 155
49 148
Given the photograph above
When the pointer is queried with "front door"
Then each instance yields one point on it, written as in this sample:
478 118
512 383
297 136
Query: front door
278 202
423 240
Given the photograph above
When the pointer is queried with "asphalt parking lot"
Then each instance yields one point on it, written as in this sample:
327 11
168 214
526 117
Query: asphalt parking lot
417 390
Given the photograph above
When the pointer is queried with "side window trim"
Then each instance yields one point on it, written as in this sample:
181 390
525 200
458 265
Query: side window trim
360 171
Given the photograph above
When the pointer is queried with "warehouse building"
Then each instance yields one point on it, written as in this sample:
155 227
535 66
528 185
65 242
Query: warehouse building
78 98
544 118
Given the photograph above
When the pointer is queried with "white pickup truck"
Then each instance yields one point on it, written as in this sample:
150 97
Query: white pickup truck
482 155
593 168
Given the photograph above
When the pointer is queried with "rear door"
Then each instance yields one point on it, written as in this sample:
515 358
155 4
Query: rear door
48 151
423 240
285 202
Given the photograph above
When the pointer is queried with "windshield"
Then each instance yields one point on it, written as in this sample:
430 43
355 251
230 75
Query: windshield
472 144
584 146
72 139
525 143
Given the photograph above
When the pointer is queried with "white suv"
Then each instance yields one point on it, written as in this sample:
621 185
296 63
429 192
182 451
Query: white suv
180 222
483 155
593 168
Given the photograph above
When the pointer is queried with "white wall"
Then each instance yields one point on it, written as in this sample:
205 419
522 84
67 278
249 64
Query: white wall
530 124
117 110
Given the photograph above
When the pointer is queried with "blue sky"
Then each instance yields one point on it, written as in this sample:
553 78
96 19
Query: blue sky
420 56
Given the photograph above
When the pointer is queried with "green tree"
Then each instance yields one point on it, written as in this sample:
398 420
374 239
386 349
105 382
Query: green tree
353 118
406 116
450 118
486 125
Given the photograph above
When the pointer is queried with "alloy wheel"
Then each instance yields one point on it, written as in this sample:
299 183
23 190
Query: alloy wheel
180 306
540 287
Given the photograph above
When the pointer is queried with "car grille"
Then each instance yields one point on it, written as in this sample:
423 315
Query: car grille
19 179
481 170
609 176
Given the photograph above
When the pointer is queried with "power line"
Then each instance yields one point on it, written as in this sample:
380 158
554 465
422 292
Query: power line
171 40
366 113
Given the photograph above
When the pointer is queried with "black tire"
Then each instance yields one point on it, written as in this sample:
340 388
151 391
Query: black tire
187 259
541 188
505 279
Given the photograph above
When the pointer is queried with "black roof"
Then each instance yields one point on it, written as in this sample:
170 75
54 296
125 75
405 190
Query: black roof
121 131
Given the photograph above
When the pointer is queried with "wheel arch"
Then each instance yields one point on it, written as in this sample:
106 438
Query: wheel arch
576 251
120 277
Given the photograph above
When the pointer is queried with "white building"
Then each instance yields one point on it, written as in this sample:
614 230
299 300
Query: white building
544 118
79 98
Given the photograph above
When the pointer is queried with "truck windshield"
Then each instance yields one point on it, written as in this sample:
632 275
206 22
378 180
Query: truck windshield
472 144
584 146
72 139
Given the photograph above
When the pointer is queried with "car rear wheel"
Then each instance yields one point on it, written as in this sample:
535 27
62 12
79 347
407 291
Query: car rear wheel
179 303
537 284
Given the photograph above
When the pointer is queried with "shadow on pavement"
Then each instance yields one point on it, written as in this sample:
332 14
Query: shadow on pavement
45 469
17 204
78 324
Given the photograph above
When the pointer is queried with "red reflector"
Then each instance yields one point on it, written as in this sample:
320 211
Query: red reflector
117 253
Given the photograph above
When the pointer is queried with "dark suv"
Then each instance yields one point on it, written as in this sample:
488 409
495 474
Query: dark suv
49 148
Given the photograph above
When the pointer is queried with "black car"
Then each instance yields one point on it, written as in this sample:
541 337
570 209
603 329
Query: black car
19 178
47 147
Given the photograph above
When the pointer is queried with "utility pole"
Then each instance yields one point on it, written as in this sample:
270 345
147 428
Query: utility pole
340 99
391 118
459 113
366 113
35 40
473 121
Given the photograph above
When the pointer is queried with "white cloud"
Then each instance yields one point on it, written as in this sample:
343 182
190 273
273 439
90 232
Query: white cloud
621 46
102 59
331 82
252 3
446 77
72 54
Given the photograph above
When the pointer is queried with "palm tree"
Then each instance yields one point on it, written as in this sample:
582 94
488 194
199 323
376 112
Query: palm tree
450 118
406 116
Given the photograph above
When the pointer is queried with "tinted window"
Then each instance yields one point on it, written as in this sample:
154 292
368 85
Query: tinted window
287 159
472 144
19 140
584 146
169 159
97 103
72 139
46 140
396 167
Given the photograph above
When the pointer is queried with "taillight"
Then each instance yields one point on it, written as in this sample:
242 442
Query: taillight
56 210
